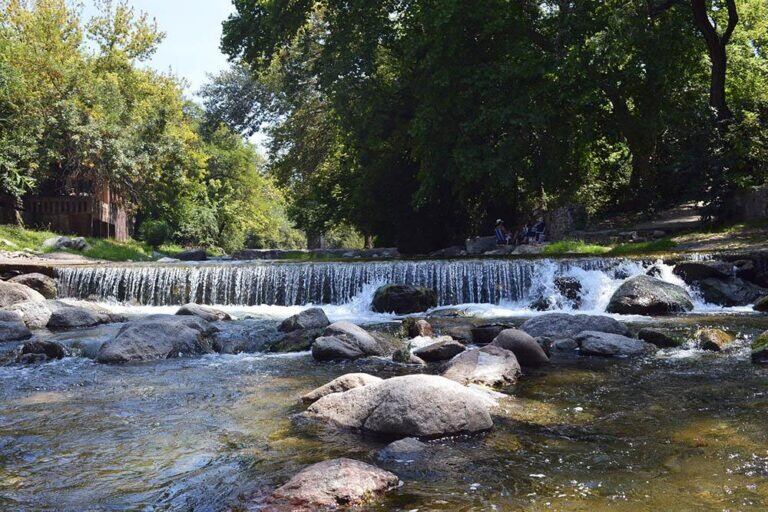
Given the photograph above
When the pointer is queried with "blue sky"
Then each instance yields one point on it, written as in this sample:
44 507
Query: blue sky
193 31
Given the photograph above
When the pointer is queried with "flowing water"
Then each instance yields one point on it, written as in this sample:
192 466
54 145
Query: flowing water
680 430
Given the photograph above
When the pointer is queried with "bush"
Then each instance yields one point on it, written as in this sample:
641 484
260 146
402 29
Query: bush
155 232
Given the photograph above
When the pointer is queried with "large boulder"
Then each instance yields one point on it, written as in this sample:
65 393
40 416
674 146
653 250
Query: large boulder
661 338
41 283
443 349
760 348
646 295
12 328
562 325
345 340
490 366
157 337
207 313
403 299
731 292
312 318
606 344
332 484
525 347
26 302
339 385
68 316
694 271
713 339
407 406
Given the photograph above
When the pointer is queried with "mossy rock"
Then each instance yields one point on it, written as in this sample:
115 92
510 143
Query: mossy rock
760 349
714 339
761 305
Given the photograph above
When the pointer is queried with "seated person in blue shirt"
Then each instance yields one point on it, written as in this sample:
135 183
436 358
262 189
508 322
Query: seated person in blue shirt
503 235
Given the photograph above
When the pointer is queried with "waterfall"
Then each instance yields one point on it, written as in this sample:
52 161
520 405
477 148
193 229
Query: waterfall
286 284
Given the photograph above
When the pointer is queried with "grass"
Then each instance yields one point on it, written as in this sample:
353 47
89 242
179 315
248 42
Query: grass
16 238
582 248
661 245
574 247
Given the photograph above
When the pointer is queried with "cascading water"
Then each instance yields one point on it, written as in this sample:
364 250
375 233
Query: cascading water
287 284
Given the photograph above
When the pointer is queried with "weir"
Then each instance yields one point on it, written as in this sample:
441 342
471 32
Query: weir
252 283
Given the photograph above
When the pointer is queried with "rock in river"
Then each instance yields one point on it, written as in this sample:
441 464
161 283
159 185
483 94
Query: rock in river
339 385
345 340
605 344
562 325
414 327
761 305
661 338
157 337
12 328
646 295
407 406
528 351
731 292
760 349
403 299
207 313
490 366
714 339
443 349
331 484
312 318
68 316
38 351
41 283
25 301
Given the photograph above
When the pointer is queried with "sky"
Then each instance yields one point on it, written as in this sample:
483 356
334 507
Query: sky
193 32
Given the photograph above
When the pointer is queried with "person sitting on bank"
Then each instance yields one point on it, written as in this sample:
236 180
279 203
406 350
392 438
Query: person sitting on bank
536 233
503 236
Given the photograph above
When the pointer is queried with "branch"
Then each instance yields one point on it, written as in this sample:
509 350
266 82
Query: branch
733 20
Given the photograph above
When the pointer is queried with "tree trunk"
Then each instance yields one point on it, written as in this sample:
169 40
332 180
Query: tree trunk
368 242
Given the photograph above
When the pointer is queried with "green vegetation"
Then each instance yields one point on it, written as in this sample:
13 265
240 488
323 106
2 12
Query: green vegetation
663 245
419 123
79 111
574 247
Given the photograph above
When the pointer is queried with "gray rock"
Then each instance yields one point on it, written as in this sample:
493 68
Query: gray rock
332 484
449 252
67 316
12 328
339 385
207 313
405 356
345 340
408 406
527 350
295 341
715 340
563 325
415 327
40 350
244 336
606 344
570 288
490 366
403 299
660 338
41 283
760 349
64 242
481 244
443 349
312 318
646 295
564 345
733 292
761 305
192 255
694 271
403 450
26 302
157 338
484 334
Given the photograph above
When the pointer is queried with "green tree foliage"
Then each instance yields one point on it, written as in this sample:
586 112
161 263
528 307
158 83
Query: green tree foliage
78 110
420 122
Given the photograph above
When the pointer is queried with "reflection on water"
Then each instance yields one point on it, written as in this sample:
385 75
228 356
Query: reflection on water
215 433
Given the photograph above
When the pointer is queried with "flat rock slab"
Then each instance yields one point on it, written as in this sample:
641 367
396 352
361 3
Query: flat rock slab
490 366
339 385
207 313
442 350
408 406
606 344
332 484
563 325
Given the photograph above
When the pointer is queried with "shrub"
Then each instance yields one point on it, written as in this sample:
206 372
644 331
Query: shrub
155 232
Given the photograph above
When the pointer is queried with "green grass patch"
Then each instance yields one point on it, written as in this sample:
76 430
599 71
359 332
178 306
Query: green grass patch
15 238
574 247
661 245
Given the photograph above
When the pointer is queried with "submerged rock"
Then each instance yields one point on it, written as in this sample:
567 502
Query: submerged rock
41 283
345 340
403 299
606 344
312 318
443 349
760 348
408 406
207 313
660 338
331 484
12 328
157 337
714 339
490 366
527 350
645 295
406 449
570 288
339 385
733 292
563 325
